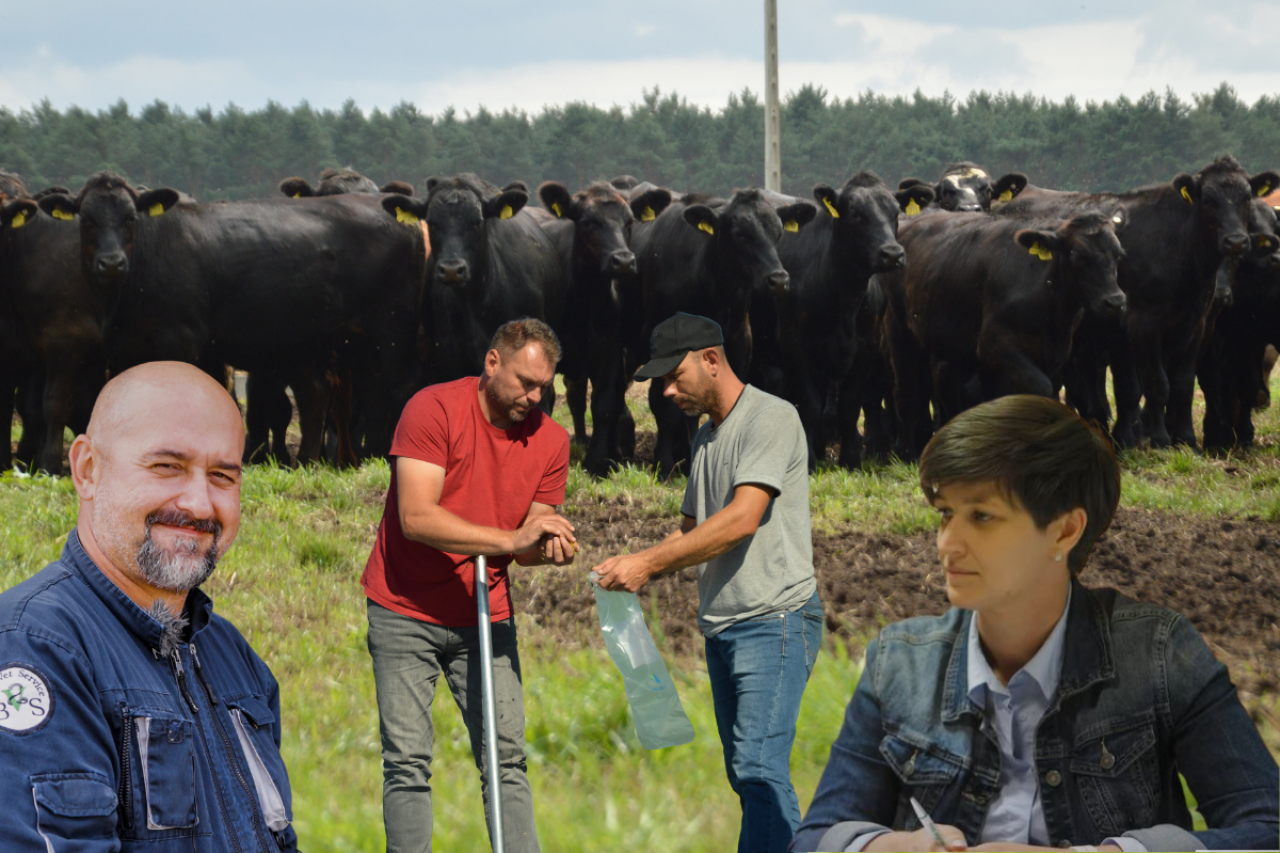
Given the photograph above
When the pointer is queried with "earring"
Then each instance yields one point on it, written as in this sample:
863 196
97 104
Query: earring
1057 556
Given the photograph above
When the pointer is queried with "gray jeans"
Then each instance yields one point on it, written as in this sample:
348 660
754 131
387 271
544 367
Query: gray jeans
408 657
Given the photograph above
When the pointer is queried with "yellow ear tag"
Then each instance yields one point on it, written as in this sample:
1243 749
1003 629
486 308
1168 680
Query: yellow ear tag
18 220
1040 252
406 217
297 195
59 213
1265 189
1187 196
791 225
912 208
647 215
156 209
1007 195
706 226
507 212
831 208
555 206
1264 243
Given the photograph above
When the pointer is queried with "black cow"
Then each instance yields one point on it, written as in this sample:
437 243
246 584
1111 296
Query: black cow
490 262
273 283
966 187
993 297
830 262
1232 357
590 231
711 257
51 347
1175 240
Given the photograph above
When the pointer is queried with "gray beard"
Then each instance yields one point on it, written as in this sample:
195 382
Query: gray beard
183 569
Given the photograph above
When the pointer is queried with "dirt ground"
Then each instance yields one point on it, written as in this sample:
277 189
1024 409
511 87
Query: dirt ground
1223 574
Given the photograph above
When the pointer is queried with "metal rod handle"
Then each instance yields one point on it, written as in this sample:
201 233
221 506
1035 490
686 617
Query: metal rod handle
490 703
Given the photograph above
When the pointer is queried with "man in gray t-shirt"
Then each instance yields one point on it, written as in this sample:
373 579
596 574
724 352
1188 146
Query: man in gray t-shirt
746 528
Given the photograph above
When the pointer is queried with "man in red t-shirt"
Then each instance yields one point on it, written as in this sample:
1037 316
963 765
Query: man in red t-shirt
477 469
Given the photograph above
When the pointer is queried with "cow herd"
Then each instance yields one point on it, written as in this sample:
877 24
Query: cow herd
895 309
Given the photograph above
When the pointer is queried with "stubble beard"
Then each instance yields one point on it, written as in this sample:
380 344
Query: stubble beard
507 407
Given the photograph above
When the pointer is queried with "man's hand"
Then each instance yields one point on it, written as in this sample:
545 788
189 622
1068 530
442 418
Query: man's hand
626 572
1009 845
536 526
557 551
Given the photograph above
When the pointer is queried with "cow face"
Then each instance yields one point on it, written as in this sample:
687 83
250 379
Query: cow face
1219 195
11 186
864 220
457 211
745 232
1264 251
965 188
1083 255
601 226
110 212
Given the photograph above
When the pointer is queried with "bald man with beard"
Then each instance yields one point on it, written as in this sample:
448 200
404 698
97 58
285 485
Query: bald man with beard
131 716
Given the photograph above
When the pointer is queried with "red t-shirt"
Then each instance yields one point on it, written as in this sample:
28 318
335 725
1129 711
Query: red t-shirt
491 476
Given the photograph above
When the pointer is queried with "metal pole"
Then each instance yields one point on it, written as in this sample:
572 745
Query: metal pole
772 113
490 706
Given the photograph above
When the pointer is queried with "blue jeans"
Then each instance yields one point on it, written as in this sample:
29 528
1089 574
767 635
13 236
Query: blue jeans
758 671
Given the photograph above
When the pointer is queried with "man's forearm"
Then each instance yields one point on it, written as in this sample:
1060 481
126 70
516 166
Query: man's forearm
435 526
683 548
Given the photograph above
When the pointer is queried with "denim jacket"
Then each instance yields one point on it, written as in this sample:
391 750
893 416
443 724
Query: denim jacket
107 746
1141 700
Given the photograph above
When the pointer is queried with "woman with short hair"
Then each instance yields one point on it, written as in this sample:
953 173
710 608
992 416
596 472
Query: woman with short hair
1037 714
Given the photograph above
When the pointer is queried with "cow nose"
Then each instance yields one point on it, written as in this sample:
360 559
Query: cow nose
622 262
452 272
111 264
1223 297
1115 304
1235 243
779 281
972 207
890 258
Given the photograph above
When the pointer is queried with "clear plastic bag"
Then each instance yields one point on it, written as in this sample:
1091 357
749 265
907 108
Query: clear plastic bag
655 706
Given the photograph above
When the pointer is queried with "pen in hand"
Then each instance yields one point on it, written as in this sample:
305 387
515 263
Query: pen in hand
930 826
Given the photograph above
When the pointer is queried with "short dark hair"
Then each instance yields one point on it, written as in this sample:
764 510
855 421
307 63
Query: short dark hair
1039 453
515 335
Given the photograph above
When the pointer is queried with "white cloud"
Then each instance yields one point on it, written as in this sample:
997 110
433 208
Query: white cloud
643 30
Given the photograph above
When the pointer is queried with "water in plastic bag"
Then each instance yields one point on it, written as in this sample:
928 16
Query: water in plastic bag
655 706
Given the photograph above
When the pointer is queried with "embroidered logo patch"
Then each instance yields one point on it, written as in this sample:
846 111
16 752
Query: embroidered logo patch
26 702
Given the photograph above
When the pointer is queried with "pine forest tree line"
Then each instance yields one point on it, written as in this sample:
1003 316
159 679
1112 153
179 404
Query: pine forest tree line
243 154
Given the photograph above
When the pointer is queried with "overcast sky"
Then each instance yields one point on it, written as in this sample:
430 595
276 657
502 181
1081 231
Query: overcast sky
502 53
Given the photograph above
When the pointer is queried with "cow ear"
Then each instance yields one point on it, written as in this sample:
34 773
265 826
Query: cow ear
157 202
397 188
1187 188
914 199
828 199
796 216
431 183
18 213
702 217
1119 217
60 206
296 188
1262 245
556 198
1039 243
505 204
1007 187
410 211
1264 183
517 185
624 182
649 205
908 183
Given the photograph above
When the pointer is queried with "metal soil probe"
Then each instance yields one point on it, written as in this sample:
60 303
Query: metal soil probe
490 705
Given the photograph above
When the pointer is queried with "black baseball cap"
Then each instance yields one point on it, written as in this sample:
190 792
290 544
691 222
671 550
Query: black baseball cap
674 337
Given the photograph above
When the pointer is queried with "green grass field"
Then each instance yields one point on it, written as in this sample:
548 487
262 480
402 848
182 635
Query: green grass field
291 585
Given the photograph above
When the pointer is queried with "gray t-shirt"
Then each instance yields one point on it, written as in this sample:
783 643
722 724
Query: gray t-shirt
761 442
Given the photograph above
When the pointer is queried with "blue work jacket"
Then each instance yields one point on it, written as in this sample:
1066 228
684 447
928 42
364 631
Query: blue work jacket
1141 699
105 745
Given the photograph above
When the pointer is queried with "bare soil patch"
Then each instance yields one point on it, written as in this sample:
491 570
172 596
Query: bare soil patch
1223 574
